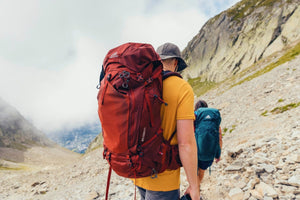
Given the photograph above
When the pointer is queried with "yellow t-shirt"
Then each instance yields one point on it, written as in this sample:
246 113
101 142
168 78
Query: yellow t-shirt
179 96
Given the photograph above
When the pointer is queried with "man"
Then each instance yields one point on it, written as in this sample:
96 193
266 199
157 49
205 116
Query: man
177 115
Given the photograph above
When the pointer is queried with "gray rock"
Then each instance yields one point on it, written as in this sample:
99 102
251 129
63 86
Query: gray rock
236 194
234 168
266 190
261 158
268 198
256 194
294 180
268 168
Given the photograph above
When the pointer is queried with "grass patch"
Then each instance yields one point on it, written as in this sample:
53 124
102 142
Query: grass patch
232 128
225 129
287 107
201 87
10 168
19 168
281 109
239 11
246 7
290 55
265 113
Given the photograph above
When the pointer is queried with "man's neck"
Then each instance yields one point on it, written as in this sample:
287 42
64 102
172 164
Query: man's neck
169 68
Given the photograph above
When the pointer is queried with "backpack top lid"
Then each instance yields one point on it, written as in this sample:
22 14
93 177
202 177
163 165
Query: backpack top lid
131 54
207 115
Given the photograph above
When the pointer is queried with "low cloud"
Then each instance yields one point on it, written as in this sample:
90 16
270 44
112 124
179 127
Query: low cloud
51 51
55 99
175 27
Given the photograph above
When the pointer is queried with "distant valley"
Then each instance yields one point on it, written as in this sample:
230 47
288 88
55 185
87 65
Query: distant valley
77 139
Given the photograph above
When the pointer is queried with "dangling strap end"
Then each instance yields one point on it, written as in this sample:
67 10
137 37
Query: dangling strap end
108 182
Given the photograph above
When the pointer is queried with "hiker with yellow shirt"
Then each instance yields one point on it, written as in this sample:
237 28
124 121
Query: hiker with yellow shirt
177 115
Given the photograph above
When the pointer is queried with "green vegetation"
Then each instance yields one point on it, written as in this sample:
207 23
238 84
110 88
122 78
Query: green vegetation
290 55
246 7
281 109
239 11
280 100
14 168
8 168
201 87
232 128
265 113
225 129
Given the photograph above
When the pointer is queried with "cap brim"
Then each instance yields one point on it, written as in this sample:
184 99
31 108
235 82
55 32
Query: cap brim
181 64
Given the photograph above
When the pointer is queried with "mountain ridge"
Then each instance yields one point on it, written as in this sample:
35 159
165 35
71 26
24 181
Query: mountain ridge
241 36
16 132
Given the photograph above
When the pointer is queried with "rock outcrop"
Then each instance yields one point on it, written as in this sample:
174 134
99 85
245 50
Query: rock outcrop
96 143
240 36
16 132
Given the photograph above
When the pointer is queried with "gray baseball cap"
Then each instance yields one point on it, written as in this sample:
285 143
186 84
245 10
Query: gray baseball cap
169 50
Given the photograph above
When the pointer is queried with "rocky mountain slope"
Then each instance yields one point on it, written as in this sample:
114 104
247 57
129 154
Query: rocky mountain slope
241 36
16 131
17 134
259 107
260 158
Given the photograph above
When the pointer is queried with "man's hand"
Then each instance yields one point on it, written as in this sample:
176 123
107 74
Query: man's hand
194 193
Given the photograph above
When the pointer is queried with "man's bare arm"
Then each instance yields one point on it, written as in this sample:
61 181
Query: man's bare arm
188 154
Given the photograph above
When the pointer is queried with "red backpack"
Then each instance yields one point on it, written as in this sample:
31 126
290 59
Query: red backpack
129 102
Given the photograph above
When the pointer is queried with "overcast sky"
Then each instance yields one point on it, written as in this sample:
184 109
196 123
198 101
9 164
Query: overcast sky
51 51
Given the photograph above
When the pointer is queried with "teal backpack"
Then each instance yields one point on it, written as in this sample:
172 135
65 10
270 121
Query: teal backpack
207 133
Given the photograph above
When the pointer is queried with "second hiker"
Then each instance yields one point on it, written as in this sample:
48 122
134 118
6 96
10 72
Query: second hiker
208 135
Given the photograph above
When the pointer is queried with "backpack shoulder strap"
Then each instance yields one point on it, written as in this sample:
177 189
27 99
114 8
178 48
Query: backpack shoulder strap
167 74
172 136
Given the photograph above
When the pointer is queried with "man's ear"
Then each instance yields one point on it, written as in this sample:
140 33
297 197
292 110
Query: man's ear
176 64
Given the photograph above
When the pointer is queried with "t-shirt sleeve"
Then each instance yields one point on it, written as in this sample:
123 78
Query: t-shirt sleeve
185 108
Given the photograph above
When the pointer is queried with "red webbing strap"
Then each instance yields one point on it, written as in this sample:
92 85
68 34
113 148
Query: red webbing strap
134 187
108 182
